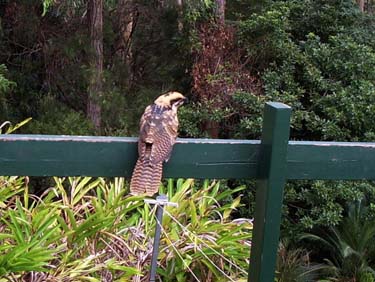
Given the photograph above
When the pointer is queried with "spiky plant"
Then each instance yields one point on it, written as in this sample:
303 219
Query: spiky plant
67 234
85 229
294 265
207 240
351 246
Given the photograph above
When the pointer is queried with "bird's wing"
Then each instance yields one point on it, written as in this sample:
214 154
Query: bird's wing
165 135
144 125
158 131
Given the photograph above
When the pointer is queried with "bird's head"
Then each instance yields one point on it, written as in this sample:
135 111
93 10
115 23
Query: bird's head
171 99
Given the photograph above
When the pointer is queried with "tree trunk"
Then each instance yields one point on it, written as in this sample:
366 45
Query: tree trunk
126 21
210 126
361 4
220 11
180 15
125 25
96 63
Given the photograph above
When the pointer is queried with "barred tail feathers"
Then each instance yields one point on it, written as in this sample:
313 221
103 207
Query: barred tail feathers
146 179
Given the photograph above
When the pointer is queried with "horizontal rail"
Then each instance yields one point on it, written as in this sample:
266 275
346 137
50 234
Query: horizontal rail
331 160
48 155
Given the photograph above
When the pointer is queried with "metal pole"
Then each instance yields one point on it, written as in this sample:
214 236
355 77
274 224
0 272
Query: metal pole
155 248
160 201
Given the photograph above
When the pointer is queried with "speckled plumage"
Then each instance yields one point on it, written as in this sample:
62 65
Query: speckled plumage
157 135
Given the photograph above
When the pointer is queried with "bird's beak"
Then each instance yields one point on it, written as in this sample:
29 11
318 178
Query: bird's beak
181 102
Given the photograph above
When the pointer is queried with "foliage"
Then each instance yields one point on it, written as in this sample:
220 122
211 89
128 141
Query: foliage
218 74
56 118
324 18
323 69
294 265
47 58
209 241
90 230
7 127
317 60
350 246
321 203
46 5
49 237
323 73
316 56
5 86
30 236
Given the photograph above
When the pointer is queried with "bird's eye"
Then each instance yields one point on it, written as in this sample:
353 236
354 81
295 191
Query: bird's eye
174 101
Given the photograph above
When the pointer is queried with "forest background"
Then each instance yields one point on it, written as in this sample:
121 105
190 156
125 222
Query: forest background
90 67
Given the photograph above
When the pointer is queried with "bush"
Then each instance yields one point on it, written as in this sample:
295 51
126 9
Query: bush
56 118
85 229
317 57
350 245
318 68
5 86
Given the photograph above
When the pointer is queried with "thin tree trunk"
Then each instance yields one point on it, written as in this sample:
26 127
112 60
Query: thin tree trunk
220 12
96 63
210 126
126 21
361 4
180 15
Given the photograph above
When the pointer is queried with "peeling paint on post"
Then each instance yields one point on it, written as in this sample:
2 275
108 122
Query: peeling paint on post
269 194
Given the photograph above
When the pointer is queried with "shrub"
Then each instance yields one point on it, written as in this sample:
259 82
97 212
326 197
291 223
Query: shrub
324 70
56 118
350 246
89 230
5 86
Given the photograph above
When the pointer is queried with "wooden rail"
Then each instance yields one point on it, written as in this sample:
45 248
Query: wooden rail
271 161
47 155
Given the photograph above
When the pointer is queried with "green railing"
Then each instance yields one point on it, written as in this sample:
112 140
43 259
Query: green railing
271 161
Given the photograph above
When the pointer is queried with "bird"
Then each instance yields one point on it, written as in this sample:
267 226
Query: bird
157 135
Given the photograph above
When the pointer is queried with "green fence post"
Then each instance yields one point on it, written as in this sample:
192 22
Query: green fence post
269 194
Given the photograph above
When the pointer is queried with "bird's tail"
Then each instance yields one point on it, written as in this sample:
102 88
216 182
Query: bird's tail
146 178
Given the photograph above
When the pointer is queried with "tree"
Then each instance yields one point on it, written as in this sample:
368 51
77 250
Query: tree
180 12
125 25
218 72
220 10
361 4
95 89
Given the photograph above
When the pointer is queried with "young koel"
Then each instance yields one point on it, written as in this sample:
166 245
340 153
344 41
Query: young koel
157 135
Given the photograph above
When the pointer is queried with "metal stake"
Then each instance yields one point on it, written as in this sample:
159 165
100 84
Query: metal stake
160 201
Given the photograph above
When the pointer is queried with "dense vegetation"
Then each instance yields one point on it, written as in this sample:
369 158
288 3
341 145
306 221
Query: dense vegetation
317 56
99 233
